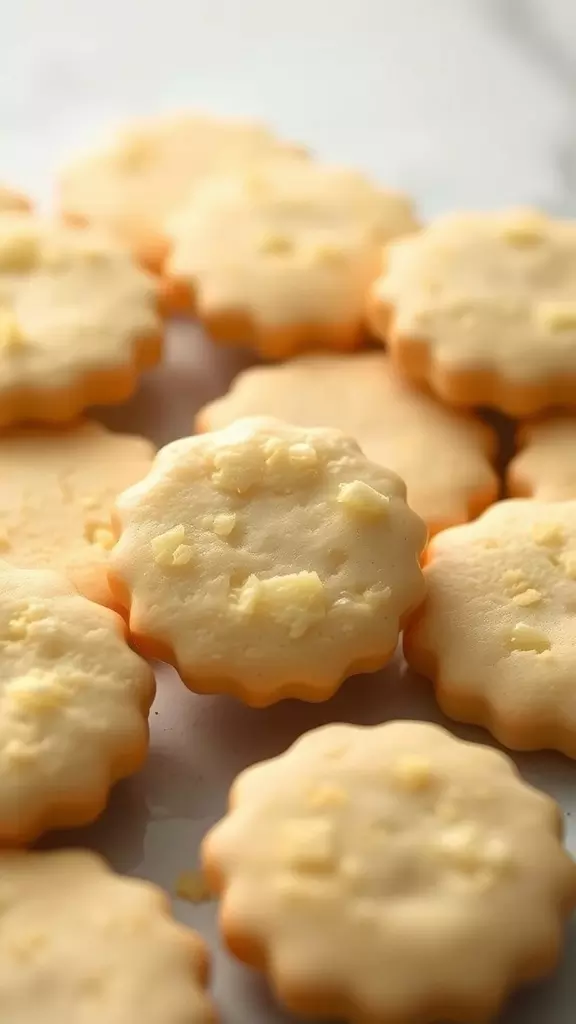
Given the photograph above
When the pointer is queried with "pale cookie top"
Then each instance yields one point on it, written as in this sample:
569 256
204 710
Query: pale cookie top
269 557
499 620
81 944
72 302
492 291
57 493
151 168
11 200
545 466
290 242
443 457
395 869
74 701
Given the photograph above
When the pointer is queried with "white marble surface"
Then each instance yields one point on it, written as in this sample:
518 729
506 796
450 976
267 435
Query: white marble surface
462 102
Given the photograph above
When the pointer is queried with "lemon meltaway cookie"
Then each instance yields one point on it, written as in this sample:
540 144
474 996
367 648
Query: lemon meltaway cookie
281 257
391 875
545 465
57 491
497 631
151 168
11 200
267 561
74 702
78 320
481 308
444 458
82 944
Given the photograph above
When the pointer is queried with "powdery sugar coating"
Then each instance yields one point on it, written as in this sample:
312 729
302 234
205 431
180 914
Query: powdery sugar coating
391 874
267 560
497 631
280 254
481 308
443 457
77 319
545 466
74 702
81 944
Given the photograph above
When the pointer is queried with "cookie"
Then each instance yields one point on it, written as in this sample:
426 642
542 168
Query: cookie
78 320
247 560
391 875
151 168
545 466
82 944
74 702
57 490
11 200
481 309
281 258
497 631
443 457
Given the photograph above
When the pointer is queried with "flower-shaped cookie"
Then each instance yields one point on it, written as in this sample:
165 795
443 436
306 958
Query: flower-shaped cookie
151 168
11 200
81 944
545 466
497 631
267 561
78 320
481 308
74 702
56 496
391 874
281 257
444 458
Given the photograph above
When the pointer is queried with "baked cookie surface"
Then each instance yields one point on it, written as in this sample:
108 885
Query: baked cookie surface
545 466
480 308
78 320
82 944
281 257
444 458
57 491
391 874
151 168
247 560
497 630
74 702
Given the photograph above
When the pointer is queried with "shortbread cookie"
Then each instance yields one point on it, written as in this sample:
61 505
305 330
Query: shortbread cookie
545 466
81 945
78 320
151 168
11 200
281 258
267 561
57 490
481 308
497 631
391 874
74 702
443 457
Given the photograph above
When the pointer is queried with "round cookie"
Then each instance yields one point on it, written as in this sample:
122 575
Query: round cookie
74 703
280 258
82 945
391 875
57 490
267 561
11 200
480 307
151 168
78 320
443 457
497 631
545 466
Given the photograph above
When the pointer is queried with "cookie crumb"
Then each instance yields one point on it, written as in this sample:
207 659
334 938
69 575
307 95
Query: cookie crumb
524 230
528 638
224 523
276 245
296 600
11 337
169 548
362 499
557 316
548 534
413 773
528 597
